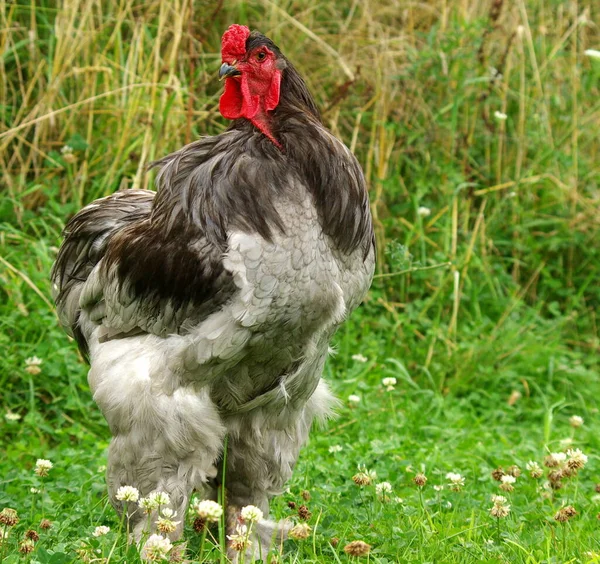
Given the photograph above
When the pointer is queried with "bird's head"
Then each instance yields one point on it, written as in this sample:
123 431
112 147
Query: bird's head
252 67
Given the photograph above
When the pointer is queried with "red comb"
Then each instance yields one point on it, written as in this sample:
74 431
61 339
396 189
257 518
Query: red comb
233 43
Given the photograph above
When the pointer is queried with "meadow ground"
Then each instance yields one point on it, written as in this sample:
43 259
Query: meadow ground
477 127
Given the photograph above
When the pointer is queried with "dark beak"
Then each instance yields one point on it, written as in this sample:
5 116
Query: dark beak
227 71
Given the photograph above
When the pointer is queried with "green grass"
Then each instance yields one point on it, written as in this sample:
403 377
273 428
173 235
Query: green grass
485 311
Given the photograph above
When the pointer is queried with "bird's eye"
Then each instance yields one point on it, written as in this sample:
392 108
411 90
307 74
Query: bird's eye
261 56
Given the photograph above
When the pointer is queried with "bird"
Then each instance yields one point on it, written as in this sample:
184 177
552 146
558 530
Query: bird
206 308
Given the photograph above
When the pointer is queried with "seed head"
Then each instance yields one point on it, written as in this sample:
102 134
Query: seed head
292 504
334 541
420 480
45 524
33 535
26 546
500 508
564 514
304 513
514 471
9 517
199 524
554 459
357 548
305 495
497 474
300 532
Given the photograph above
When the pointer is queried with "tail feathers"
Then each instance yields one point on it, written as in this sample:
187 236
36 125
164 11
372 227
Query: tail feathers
87 236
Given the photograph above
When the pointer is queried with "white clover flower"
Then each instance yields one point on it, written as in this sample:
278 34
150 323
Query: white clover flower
156 548
166 524
34 490
335 448
168 512
534 469
566 442
10 416
500 509
300 531
457 481
423 211
42 467
101 530
147 505
383 488
438 488
354 398
500 116
160 498
576 459
500 499
359 358
555 459
240 541
251 514
576 421
592 53
101 469
32 365
208 510
398 500
127 493
506 483
389 383
66 149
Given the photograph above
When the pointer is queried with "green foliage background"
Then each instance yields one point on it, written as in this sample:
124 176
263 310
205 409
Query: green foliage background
493 295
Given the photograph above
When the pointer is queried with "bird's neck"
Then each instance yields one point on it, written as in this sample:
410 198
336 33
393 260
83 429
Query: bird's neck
263 121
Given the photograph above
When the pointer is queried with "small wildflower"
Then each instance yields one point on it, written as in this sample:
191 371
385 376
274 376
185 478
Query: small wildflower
534 469
209 510
354 398
500 116
423 211
128 493
9 517
497 474
398 500
359 358
33 535
500 499
357 548
240 541
438 487
554 459
156 548
500 510
364 477
577 459
26 546
34 490
301 531
420 480
304 513
566 443
101 469
66 149
576 421
147 504
166 524
160 498
333 449
45 524
456 481
507 482
43 467
592 53
11 416
554 479
383 488
101 531
251 514
565 514
389 383
32 365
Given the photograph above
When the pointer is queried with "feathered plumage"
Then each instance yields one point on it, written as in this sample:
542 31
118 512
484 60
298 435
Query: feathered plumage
207 309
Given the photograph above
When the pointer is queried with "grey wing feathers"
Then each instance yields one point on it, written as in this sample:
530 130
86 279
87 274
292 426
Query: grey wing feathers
87 236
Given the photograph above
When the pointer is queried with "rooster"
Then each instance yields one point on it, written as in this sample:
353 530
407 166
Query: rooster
206 308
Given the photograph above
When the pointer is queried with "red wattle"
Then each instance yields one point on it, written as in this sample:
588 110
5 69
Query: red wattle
230 103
